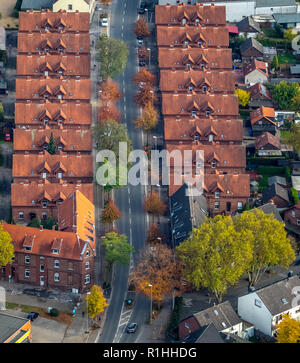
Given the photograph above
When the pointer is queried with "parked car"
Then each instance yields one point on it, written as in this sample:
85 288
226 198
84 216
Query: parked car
142 8
33 315
7 137
104 22
140 42
131 328
139 37
142 64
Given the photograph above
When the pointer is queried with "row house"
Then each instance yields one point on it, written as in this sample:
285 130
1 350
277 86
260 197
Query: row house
40 199
201 114
50 259
196 37
54 22
35 140
65 114
197 81
183 14
53 66
200 105
194 58
180 130
54 90
53 168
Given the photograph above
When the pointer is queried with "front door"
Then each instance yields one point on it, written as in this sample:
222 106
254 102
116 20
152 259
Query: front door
42 280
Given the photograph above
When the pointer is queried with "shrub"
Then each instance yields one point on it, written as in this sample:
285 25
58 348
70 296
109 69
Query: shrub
287 172
295 195
54 312
175 316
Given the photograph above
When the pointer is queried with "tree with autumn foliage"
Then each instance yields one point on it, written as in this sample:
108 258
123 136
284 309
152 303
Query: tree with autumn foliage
143 53
154 235
288 331
109 91
109 111
243 97
141 28
159 267
148 120
144 77
145 95
6 247
117 249
110 213
154 205
96 301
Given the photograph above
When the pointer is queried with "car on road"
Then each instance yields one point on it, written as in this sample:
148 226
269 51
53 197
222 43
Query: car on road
142 8
33 315
142 64
104 22
139 37
131 328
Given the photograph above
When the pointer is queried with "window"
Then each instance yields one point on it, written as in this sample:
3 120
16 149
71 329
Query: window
240 205
70 7
298 222
44 204
21 215
55 251
204 88
87 265
207 113
194 113
211 138
27 259
26 248
44 175
42 268
87 279
213 164
56 277
56 263
27 273
293 213
217 205
217 194
59 175
257 303
44 215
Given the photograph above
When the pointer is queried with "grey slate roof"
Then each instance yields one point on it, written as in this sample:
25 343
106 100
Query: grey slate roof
246 22
274 190
270 208
209 334
272 295
37 4
272 3
9 325
287 18
251 43
276 179
222 316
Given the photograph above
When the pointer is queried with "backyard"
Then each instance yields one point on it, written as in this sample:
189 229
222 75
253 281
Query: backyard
6 10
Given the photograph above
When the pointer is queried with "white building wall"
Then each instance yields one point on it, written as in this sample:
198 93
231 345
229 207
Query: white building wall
255 77
276 10
260 317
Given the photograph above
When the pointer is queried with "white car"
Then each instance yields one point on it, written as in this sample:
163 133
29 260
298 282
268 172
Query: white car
104 22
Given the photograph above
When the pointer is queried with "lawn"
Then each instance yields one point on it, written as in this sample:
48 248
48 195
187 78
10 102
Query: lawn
287 57
266 172
63 317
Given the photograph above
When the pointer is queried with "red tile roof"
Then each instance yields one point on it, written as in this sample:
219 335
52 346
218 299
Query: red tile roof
62 21
23 194
70 89
256 64
267 113
211 58
265 139
173 14
184 130
184 104
181 80
36 43
42 241
258 91
35 66
34 140
176 36
70 114
33 165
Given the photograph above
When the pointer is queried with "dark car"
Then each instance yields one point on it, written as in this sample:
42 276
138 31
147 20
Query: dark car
142 63
142 8
32 316
131 328
139 37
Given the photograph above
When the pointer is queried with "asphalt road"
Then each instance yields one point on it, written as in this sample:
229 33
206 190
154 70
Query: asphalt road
131 198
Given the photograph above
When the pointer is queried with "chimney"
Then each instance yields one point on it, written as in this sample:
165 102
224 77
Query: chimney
41 227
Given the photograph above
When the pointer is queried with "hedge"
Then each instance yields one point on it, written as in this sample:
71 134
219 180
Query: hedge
295 195
264 161
175 316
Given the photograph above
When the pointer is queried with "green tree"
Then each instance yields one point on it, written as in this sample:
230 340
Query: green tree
215 256
117 249
1 113
292 137
243 97
52 145
49 223
96 301
6 247
295 195
289 35
35 223
288 330
275 63
112 55
295 103
283 93
269 243
108 134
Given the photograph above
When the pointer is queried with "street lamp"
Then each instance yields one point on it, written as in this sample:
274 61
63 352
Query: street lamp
150 285
155 138
149 50
87 313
